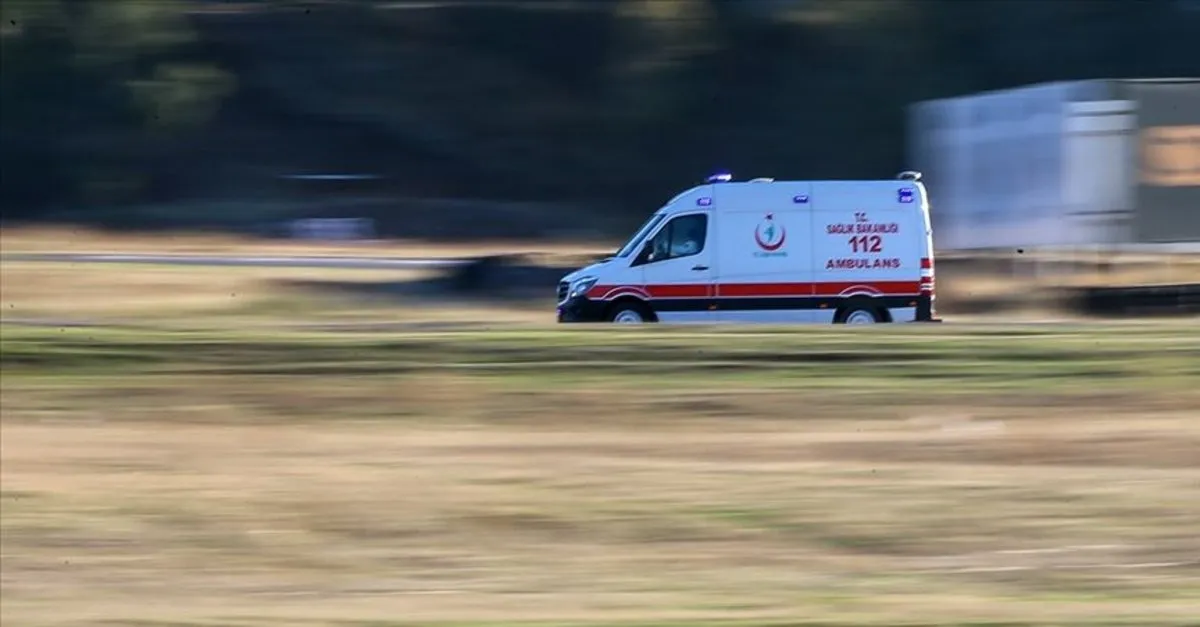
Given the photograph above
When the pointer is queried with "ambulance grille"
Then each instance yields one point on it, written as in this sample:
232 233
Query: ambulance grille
563 288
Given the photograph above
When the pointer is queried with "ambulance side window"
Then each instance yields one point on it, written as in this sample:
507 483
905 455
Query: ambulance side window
683 236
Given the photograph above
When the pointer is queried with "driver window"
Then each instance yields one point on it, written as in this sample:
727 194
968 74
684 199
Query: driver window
681 237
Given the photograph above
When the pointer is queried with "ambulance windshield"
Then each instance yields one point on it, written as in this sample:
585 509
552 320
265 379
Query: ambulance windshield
637 238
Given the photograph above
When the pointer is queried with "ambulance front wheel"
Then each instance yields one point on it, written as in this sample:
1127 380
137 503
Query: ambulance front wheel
630 312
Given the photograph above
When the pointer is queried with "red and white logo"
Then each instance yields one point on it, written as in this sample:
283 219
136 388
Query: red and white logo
770 235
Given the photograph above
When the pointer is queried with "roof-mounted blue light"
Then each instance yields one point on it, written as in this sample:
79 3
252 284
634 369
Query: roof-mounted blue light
720 177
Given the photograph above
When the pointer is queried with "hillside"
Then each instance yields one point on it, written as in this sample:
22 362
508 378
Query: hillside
597 110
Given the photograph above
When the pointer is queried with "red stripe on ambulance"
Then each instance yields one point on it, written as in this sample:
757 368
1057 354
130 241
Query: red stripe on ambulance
759 290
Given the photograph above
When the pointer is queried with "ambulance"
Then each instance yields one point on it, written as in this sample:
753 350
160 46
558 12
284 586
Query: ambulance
831 252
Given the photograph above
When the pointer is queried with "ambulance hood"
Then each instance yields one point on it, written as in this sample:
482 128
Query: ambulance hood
588 270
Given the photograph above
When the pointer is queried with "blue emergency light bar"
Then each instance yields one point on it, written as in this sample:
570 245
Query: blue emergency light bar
720 177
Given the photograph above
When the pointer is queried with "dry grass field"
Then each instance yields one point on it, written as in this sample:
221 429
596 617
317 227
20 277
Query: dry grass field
217 447
81 240
244 297
967 285
968 477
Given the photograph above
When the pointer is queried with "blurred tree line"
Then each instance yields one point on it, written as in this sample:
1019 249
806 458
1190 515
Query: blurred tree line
106 104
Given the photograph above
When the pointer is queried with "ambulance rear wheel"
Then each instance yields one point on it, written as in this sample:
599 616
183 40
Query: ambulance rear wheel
858 315
630 312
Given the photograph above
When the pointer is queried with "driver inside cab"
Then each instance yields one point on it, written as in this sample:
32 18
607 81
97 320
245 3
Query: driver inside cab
667 247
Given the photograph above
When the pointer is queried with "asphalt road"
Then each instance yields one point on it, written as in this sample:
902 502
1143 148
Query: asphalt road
281 261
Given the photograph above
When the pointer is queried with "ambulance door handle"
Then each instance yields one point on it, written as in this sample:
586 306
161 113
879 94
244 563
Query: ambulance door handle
699 268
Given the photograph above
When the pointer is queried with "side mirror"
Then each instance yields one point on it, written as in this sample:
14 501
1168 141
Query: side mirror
644 254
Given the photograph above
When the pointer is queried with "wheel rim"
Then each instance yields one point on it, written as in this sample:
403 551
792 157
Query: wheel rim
860 317
628 316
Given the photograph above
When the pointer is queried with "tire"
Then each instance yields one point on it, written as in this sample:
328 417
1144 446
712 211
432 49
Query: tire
630 312
859 314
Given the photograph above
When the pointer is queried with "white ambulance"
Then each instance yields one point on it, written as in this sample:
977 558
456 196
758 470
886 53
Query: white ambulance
840 252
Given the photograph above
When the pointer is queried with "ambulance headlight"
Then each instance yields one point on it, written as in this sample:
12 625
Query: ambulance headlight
580 286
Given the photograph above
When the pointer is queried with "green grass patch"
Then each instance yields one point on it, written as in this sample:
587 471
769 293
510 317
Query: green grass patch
947 358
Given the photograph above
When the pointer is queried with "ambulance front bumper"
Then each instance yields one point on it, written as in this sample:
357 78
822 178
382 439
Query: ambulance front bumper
580 309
